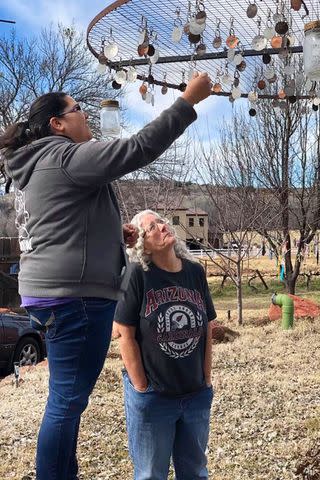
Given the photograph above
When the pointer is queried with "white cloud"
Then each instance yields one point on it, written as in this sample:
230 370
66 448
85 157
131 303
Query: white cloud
43 12
211 106
210 111
140 108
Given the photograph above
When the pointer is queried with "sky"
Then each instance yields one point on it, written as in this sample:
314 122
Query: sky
32 15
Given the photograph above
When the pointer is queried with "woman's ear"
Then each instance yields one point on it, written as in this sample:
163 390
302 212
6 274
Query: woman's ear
56 124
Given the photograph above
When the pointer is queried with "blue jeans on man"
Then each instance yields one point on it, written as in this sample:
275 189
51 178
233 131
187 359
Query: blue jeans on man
159 427
77 343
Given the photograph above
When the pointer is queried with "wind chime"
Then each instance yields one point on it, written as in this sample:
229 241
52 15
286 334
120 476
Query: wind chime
281 72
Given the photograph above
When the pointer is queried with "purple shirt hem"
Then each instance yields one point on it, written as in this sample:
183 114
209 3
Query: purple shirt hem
45 301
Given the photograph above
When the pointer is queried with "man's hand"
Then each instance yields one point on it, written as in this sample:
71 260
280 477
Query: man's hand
198 88
130 234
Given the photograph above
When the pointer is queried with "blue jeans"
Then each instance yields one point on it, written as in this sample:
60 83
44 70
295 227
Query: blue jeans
77 339
160 427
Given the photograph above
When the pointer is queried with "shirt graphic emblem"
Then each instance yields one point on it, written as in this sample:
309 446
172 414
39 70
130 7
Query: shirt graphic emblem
179 331
22 217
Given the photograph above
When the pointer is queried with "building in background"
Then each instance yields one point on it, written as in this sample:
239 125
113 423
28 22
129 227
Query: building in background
191 225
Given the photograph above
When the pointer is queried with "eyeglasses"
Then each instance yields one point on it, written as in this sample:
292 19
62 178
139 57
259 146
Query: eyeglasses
75 108
153 225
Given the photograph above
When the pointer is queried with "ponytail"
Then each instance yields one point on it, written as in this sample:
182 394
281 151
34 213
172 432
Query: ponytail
16 136
38 126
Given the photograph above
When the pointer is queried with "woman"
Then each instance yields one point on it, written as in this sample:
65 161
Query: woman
164 322
73 263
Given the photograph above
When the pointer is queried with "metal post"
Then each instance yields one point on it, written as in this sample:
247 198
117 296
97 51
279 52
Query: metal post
16 367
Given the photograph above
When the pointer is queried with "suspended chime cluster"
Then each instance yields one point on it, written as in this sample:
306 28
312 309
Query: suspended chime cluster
280 75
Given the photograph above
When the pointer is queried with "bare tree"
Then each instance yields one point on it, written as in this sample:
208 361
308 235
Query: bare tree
55 60
235 208
7 216
161 185
279 155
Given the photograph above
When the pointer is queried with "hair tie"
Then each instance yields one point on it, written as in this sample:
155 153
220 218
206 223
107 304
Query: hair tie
27 127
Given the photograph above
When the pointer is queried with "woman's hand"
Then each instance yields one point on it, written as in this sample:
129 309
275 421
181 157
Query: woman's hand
140 387
198 88
130 234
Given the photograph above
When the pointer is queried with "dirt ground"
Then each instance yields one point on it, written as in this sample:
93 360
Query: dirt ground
265 415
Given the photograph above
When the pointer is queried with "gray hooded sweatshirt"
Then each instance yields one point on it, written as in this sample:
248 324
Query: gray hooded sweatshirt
68 217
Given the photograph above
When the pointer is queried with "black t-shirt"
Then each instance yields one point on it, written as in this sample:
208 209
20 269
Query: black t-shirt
170 312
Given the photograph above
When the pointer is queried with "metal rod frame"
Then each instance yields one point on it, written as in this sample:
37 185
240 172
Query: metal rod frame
127 13
7 21
199 58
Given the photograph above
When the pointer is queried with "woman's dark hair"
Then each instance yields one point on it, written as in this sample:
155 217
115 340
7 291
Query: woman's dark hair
37 126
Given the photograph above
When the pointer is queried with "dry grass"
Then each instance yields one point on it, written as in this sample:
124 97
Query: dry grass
265 265
265 414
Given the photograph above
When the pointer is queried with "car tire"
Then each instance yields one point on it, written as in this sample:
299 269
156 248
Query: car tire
27 352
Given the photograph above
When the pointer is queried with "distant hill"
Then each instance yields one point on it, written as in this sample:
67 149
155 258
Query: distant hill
137 195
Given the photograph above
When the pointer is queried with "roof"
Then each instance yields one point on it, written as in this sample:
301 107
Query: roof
197 211
169 210
189 211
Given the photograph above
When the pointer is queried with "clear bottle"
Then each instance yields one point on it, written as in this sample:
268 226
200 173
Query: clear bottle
110 119
311 50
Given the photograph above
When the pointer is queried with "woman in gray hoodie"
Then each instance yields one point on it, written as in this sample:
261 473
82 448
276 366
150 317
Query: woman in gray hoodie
73 268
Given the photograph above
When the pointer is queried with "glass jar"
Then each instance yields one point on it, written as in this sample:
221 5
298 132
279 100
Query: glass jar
110 119
311 50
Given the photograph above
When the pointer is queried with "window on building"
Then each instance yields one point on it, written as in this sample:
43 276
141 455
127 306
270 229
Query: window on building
176 220
191 222
201 222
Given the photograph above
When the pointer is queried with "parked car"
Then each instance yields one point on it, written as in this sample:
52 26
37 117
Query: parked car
19 342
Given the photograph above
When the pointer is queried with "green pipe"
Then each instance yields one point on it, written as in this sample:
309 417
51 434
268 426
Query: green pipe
287 305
